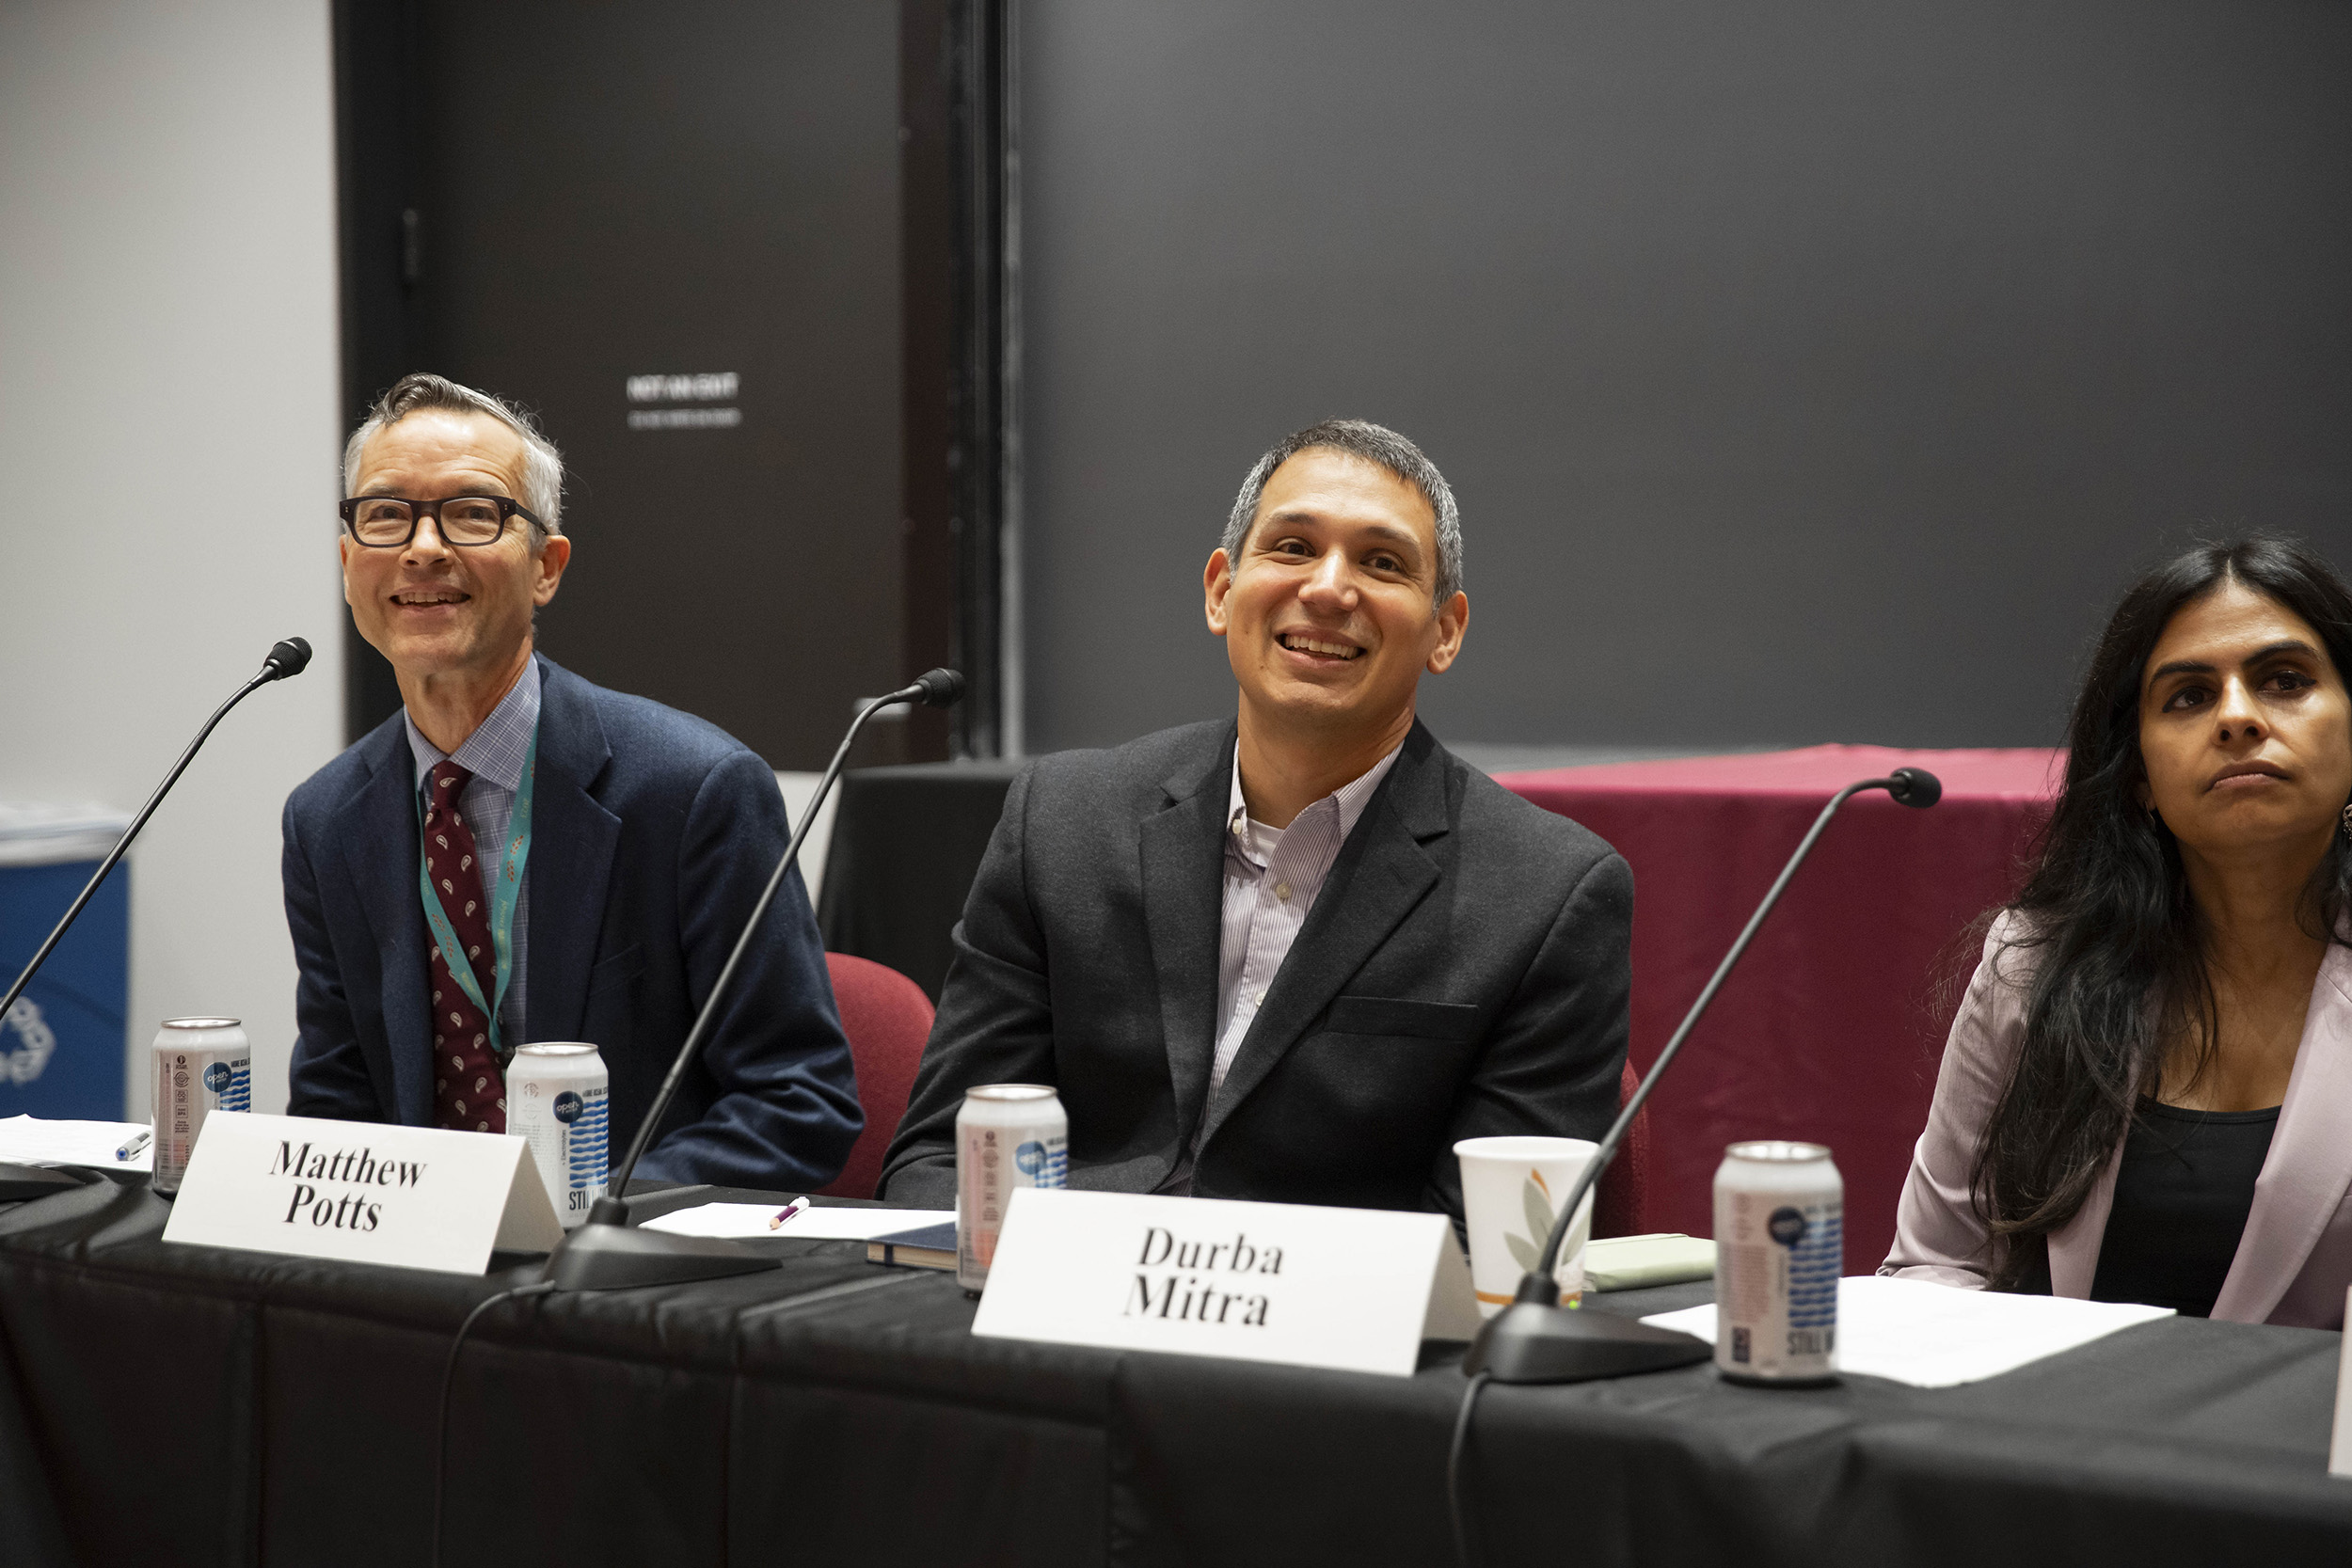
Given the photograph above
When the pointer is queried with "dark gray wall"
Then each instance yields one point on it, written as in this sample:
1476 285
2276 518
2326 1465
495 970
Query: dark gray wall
607 191
1807 371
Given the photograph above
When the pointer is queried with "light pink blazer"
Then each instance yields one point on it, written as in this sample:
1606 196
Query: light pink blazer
2294 1261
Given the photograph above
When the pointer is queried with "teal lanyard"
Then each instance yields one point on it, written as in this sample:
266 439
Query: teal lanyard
510 887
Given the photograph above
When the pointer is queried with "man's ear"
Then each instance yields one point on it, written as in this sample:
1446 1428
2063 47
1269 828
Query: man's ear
1453 621
342 561
555 553
1216 581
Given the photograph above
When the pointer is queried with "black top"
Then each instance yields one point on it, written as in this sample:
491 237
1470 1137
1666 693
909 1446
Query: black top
2182 1195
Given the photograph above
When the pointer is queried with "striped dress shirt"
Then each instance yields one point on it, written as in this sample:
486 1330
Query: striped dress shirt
494 755
1272 876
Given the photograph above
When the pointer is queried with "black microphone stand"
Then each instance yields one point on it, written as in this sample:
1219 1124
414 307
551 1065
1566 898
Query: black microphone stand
1535 1339
286 658
606 1253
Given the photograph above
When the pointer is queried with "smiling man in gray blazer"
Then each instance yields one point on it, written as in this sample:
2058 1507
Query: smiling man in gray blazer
1297 955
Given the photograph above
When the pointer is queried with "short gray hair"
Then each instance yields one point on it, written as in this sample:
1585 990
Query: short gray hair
543 466
1374 444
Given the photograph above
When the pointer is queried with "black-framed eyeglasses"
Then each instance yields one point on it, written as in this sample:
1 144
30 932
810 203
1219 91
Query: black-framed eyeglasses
388 522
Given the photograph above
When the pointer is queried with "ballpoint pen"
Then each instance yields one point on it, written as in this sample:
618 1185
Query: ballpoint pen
133 1145
787 1211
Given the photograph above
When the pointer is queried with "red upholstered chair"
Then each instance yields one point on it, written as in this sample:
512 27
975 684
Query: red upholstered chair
1624 1186
887 1018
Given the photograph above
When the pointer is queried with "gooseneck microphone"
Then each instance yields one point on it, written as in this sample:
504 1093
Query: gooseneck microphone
284 660
1535 1340
605 1253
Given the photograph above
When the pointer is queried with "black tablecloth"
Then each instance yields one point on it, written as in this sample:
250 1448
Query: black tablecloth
906 843
182 1404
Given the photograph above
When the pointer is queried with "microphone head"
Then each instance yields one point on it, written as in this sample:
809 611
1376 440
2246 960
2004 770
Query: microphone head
289 657
941 688
1915 786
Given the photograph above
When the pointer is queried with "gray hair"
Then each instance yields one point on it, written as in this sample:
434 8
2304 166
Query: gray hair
543 466
1374 444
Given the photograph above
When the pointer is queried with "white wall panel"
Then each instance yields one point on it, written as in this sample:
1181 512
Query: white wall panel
168 432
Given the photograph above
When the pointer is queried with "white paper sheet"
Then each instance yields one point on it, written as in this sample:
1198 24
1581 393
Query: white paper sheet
31 1141
809 1225
1936 1335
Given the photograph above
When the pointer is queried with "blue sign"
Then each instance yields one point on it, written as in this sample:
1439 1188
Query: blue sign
61 1046
567 1107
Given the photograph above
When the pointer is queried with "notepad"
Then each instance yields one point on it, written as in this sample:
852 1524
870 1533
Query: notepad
33 1141
1937 1336
1637 1262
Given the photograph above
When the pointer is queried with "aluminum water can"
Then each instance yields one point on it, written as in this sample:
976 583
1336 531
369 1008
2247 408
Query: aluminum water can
1007 1136
1780 1211
201 1065
560 1098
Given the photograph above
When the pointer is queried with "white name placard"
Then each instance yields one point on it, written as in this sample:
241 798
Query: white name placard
415 1198
2340 1443
1357 1288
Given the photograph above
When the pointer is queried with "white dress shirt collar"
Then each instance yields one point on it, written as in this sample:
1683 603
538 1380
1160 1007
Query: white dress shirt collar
1351 798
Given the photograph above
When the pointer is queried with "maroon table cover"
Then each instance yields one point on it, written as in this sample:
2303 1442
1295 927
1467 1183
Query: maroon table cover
1831 1028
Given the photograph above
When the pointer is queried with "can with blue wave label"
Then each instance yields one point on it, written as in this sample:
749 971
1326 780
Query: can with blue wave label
1007 1136
1780 1244
202 1065
560 1098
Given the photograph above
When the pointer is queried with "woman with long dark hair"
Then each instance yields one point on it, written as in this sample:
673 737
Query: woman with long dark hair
2147 1095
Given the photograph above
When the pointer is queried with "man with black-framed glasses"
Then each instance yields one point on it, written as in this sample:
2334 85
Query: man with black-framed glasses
521 855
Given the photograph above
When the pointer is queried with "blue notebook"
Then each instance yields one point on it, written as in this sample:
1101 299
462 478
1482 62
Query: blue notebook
931 1246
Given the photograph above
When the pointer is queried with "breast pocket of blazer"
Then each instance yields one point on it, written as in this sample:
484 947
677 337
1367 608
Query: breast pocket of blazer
618 970
1387 1015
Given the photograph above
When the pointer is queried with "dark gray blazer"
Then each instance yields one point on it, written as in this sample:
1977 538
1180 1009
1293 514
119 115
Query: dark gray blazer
1464 972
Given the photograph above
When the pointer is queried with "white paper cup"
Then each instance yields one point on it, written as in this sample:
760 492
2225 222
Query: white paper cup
1511 1193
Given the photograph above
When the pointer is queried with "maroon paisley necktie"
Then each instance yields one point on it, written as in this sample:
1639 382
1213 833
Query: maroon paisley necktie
468 1091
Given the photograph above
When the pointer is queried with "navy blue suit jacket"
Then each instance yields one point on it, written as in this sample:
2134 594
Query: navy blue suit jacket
652 836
